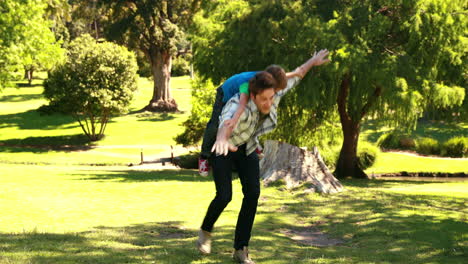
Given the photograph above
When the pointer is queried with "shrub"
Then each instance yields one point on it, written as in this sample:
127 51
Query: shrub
428 146
96 81
203 95
367 154
180 66
188 161
455 147
330 155
396 140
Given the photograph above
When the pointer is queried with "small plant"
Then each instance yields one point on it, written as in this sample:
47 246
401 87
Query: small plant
367 154
396 140
428 146
455 147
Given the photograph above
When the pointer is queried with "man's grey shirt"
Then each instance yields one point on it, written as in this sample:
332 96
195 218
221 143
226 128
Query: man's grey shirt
247 130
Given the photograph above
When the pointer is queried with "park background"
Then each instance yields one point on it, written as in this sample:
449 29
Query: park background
391 102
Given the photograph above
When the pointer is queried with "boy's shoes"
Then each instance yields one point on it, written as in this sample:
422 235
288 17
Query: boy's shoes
259 153
204 242
203 167
242 256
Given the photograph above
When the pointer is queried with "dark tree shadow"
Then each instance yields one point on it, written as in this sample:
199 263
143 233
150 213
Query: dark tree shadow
150 116
44 144
27 85
34 120
20 97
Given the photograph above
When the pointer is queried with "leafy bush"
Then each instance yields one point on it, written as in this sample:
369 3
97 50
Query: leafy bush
180 65
428 146
367 155
188 161
203 95
455 147
396 140
330 156
96 81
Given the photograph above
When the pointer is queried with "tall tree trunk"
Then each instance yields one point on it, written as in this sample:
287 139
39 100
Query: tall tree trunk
162 101
30 76
347 165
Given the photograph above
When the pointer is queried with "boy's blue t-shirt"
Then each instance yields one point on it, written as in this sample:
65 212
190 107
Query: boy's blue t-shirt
231 86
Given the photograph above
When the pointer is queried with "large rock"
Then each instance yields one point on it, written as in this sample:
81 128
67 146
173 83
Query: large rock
296 166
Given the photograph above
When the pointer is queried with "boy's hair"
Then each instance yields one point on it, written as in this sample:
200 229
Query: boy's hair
261 81
280 76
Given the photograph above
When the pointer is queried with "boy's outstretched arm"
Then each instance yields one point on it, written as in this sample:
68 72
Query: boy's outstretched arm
317 59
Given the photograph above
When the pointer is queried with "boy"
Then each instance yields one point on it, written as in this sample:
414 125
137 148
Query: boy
238 83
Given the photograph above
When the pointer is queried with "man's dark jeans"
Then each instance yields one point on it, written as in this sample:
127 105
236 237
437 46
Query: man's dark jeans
248 168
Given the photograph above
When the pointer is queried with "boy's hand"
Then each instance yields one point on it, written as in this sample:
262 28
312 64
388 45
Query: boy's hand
319 57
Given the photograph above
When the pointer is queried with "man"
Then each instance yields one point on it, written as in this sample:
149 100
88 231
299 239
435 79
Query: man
236 146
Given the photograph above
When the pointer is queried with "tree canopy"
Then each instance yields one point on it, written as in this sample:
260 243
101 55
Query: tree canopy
26 40
390 59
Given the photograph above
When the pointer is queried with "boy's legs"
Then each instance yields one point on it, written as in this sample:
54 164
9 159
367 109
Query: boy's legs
209 136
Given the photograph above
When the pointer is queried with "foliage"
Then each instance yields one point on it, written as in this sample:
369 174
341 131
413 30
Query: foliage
428 146
26 41
396 140
385 56
187 161
181 66
455 147
367 154
157 28
203 96
96 82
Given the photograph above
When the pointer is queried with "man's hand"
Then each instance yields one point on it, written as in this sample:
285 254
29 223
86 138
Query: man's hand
319 57
222 147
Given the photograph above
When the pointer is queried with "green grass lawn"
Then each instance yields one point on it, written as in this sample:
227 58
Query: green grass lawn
389 162
67 214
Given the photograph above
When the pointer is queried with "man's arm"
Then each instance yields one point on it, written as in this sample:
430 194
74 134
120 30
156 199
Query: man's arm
221 145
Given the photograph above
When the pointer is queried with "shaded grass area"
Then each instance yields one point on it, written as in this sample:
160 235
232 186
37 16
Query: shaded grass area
56 214
439 130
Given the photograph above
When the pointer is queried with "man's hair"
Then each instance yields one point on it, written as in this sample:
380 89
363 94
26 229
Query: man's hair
280 76
261 81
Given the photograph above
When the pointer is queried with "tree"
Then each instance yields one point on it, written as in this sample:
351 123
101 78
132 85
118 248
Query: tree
155 27
96 82
26 41
386 57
